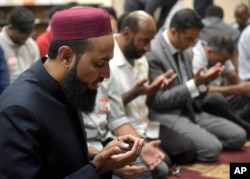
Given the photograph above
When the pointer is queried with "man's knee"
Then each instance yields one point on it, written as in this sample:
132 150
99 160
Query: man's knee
210 152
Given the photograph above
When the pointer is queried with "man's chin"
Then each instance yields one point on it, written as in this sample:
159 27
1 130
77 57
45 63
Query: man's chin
94 87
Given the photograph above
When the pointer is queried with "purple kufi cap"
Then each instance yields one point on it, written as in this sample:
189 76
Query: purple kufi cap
80 23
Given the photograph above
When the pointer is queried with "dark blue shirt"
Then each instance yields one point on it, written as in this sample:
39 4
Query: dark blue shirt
4 75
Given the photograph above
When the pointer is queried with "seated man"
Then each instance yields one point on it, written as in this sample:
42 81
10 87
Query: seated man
214 25
178 106
108 119
130 70
220 49
41 130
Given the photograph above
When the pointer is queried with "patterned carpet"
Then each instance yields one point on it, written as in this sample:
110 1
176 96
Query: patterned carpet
218 169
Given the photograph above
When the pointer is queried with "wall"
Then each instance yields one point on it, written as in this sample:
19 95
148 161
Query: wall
40 2
227 5
118 4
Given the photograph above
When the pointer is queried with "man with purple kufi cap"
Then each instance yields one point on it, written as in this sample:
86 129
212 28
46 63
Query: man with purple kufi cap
41 130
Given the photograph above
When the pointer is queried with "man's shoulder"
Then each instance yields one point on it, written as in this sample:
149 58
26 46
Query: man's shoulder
30 42
16 94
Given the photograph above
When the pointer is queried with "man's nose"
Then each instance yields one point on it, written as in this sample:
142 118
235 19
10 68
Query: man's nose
106 71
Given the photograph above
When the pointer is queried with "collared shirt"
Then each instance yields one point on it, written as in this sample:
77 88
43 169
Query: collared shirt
126 77
19 57
191 86
109 114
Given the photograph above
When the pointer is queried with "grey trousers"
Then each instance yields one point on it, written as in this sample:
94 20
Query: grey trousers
210 134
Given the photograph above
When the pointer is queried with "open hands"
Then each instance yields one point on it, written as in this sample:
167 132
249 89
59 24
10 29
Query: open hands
161 82
152 155
130 172
211 74
115 154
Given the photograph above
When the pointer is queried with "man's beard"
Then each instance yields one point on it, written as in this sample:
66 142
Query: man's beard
130 51
78 95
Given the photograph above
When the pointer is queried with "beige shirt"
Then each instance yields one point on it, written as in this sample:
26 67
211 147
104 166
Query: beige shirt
19 58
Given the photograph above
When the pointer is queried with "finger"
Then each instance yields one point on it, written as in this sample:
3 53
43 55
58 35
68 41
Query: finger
156 143
173 76
199 71
218 64
136 147
141 144
169 73
155 163
143 81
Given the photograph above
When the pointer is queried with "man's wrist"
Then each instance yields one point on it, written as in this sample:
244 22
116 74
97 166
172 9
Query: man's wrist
202 89
95 167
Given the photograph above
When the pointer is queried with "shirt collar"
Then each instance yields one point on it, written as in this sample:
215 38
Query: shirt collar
173 50
118 59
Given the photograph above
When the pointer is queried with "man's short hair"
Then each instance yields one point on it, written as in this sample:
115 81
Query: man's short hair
22 19
214 11
185 19
221 42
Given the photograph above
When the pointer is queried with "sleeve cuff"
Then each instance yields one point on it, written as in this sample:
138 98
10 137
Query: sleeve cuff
192 88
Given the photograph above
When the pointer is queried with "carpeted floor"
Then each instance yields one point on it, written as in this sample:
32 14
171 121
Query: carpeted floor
218 169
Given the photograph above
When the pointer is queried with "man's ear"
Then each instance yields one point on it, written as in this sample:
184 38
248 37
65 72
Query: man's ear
209 50
66 56
173 30
126 32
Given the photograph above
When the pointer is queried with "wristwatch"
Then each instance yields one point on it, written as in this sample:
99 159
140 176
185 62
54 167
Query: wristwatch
202 89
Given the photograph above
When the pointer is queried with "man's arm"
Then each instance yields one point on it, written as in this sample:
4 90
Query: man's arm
235 87
138 89
239 89
161 82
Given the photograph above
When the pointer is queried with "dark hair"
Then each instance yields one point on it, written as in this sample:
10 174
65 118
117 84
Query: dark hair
131 22
54 9
186 19
221 42
215 11
120 21
72 4
22 19
111 11
78 46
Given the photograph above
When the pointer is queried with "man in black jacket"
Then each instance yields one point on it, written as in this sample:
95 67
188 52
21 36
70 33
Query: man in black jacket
41 130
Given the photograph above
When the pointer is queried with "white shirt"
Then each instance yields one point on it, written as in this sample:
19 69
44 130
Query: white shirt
244 54
19 57
127 76
100 123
